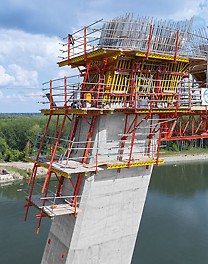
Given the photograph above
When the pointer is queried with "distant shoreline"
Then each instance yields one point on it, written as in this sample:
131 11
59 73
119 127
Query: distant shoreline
180 158
173 159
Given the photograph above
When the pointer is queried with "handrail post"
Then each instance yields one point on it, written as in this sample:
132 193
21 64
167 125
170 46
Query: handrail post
176 46
65 94
51 96
85 43
69 48
149 41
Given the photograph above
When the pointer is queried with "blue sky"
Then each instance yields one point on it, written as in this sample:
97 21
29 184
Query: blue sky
29 37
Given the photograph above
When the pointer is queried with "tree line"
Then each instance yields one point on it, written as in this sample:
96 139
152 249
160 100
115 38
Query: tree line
18 134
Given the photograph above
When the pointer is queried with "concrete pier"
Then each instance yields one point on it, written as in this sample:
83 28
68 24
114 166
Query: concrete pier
111 205
105 229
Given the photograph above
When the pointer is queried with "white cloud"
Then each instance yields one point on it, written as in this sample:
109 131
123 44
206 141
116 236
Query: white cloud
26 61
5 78
34 52
189 9
23 77
16 76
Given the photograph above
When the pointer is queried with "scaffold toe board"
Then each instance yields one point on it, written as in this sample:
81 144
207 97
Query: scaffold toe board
133 163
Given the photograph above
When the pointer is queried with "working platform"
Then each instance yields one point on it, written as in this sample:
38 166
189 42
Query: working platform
65 167
68 167
101 54
53 206
93 112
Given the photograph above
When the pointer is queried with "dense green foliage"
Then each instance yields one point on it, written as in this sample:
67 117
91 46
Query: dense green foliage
18 134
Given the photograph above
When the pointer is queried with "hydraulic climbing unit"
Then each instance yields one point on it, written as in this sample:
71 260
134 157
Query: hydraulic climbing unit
139 82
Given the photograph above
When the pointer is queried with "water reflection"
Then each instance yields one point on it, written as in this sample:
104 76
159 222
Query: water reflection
19 242
174 227
182 179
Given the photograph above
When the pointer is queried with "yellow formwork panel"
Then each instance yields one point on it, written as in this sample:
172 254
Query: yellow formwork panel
133 164
117 82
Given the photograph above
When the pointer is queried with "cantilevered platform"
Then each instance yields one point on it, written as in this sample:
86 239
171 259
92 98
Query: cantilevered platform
54 206
103 53
71 167
65 168
102 111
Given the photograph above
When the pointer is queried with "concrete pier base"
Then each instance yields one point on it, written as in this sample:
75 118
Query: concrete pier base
105 229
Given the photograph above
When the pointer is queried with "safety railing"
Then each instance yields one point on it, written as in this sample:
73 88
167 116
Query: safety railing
65 93
99 151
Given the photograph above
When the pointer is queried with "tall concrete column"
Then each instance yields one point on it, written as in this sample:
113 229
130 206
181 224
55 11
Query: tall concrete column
106 226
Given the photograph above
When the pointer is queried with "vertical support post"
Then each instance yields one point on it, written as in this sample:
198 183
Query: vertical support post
33 176
69 48
51 95
85 43
65 92
132 90
149 42
158 146
44 201
101 84
176 46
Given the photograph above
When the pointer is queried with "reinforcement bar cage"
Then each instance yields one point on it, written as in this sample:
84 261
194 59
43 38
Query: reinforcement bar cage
139 34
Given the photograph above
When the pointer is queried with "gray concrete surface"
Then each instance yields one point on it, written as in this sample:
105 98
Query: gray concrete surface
111 206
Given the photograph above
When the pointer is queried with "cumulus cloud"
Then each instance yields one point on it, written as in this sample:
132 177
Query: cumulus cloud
5 78
29 50
23 77
189 9
17 76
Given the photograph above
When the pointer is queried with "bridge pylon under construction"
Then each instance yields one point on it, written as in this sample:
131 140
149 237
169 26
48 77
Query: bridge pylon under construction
140 81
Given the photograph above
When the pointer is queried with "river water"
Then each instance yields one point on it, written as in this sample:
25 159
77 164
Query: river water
174 227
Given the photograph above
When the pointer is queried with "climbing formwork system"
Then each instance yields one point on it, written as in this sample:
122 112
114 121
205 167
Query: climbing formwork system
140 81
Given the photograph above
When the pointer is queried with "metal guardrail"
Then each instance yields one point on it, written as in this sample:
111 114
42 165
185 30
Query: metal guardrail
67 94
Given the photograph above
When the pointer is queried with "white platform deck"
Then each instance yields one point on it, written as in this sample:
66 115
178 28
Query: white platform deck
53 207
66 168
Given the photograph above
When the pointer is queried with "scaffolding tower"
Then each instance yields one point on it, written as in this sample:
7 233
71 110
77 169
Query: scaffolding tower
152 74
